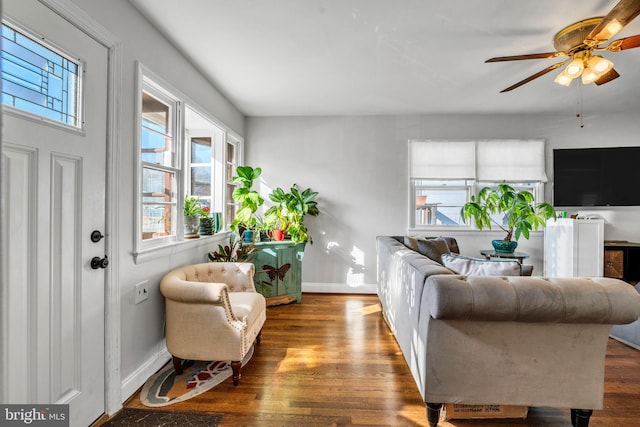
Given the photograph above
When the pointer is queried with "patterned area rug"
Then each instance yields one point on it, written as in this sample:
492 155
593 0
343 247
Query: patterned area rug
152 418
165 388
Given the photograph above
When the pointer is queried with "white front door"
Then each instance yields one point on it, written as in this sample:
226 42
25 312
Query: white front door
53 190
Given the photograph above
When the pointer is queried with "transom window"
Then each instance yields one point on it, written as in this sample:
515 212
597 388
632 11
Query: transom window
38 78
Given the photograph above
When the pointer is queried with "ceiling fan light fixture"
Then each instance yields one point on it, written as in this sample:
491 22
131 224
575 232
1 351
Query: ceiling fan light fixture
563 79
575 67
600 65
589 76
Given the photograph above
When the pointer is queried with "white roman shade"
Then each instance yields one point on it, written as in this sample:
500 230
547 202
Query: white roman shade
511 160
442 159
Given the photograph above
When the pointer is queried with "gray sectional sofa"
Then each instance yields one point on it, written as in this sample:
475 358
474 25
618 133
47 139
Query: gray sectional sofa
504 340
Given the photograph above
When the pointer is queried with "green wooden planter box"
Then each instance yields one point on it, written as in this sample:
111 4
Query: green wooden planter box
279 269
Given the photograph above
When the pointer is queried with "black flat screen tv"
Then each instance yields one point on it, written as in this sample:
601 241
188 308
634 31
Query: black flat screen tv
596 176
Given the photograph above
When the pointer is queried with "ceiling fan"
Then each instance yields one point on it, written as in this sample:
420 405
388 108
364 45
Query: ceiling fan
579 41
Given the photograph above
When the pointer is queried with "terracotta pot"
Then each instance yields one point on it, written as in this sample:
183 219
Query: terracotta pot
278 235
421 200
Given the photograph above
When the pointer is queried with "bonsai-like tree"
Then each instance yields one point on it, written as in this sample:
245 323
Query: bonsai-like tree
521 214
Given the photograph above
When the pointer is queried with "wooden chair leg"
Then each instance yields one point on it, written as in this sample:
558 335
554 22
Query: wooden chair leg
236 366
177 365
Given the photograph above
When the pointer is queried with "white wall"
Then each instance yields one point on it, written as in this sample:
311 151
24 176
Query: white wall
359 166
142 326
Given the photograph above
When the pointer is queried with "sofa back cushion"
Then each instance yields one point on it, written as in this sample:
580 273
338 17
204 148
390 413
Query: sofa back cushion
480 267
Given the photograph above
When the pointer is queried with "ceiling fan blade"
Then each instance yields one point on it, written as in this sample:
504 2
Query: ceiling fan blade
529 56
607 77
623 44
534 76
621 14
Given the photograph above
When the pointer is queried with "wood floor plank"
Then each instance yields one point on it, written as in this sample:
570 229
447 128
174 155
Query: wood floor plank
331 361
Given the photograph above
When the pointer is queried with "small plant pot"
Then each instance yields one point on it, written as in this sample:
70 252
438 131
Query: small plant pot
507 246
191 225
278 235
248 236
421 200
206 226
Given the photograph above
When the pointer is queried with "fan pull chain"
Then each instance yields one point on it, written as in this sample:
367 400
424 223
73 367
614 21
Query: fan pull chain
579 106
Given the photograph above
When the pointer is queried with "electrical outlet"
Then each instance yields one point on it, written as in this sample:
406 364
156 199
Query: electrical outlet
142 291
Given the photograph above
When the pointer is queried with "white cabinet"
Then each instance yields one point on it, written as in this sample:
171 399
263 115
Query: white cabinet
574 248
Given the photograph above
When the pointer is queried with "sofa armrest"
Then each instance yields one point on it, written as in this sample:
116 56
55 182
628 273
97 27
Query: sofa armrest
531 299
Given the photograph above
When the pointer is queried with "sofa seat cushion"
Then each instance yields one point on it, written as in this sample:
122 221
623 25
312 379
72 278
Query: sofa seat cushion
480 267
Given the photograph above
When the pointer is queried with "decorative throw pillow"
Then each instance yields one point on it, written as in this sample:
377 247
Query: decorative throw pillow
480 267
411 243
451 242
433 248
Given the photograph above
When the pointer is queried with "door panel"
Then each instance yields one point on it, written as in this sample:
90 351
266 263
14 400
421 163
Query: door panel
54 185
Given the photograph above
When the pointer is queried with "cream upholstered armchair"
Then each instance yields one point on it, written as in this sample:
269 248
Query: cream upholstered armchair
213 313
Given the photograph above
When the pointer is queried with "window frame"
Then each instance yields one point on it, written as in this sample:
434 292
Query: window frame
473 188
147 249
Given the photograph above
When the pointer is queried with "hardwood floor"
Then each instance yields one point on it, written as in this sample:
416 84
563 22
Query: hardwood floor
331 361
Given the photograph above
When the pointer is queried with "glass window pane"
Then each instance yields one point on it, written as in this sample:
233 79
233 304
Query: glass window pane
157 138
38 79
201 181
200 150
156 221
157 186
439 202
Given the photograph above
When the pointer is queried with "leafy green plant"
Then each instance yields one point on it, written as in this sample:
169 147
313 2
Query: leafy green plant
248 198
235 251
192 206
520 212
291 208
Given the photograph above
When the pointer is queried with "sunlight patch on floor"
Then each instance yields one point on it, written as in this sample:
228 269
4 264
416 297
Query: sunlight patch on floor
299 358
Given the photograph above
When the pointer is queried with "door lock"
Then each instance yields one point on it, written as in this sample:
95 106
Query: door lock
97 262
96 236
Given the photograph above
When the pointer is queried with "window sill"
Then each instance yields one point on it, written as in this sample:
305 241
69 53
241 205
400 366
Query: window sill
173 248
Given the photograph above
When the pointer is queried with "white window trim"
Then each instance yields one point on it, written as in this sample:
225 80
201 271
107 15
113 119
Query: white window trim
475 187
157 248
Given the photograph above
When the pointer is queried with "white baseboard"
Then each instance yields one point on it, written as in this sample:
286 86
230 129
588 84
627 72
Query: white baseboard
339 288
133 382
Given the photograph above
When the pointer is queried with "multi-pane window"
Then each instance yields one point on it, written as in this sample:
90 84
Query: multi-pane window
444 175
40 79
160 165
182 152
231 163
201 170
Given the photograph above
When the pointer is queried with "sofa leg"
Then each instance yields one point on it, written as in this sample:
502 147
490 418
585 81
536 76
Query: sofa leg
433 413
259 337
177 365
236 366
580 417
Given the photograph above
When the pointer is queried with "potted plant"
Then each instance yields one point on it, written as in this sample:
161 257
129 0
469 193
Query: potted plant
206 222
521 213
192 210
291 208
245 220
235 251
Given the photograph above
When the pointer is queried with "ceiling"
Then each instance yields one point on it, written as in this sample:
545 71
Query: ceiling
388 57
